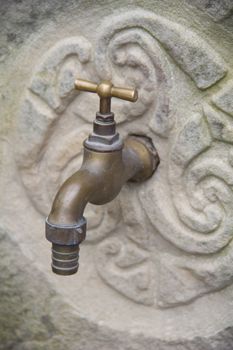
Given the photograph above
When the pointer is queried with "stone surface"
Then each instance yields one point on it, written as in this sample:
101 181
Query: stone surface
156 269
224 98
217 9
33 316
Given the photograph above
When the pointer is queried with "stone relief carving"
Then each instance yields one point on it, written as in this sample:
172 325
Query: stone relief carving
189 202
127 268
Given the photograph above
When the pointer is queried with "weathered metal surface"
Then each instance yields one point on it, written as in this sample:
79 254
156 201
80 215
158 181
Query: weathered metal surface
101 176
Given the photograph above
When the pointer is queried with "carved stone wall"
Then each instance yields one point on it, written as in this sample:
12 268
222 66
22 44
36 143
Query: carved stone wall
158 260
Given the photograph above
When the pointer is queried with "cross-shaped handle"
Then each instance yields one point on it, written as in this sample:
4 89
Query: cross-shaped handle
106 91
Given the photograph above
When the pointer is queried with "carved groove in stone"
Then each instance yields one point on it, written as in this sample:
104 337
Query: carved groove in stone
126 268
217 9
53 80
224 98
134 54
194 55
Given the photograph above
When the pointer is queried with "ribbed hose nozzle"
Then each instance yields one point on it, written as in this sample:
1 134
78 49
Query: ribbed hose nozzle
65 259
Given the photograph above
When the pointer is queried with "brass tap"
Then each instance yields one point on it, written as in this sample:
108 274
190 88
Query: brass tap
107 164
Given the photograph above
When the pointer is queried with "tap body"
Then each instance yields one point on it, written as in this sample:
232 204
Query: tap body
98 181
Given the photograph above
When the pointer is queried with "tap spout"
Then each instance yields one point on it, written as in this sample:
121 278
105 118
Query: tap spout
98 181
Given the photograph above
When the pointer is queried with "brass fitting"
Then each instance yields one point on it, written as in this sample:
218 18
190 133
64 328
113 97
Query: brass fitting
106 90
107 164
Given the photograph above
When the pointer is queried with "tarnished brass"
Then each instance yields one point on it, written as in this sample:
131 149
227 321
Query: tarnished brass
106 90
108 164
100 179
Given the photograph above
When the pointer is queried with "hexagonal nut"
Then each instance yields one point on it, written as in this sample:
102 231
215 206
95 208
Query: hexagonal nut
65 234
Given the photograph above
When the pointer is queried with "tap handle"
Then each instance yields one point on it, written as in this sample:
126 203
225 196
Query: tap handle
106 90
127 94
